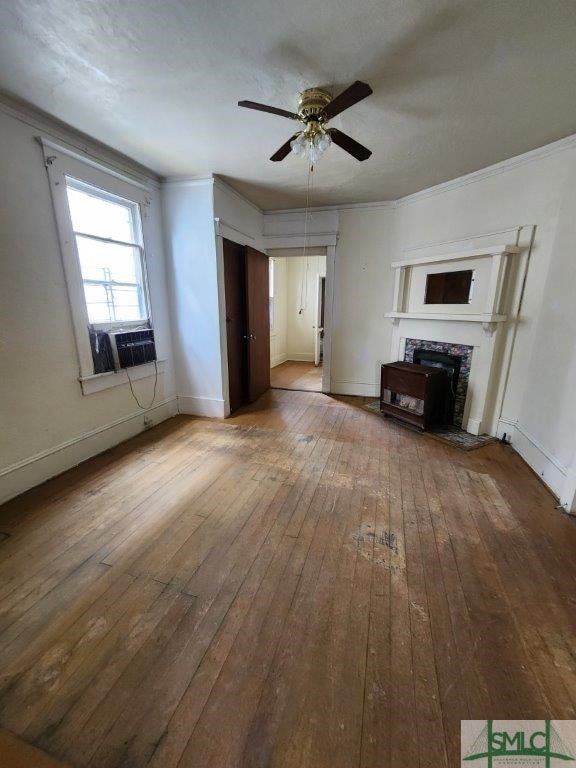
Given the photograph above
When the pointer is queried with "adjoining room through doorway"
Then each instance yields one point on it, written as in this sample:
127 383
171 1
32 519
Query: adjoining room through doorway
297 293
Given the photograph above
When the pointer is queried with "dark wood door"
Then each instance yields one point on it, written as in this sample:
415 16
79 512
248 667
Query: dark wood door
258 313
236 320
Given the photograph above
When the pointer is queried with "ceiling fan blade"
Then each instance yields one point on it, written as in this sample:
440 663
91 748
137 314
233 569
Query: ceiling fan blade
349 144
266 108
352 95
284 150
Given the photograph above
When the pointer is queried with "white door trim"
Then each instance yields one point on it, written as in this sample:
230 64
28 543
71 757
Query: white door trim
298 242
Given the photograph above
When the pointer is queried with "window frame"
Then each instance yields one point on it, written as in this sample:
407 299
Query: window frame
109 325
63 163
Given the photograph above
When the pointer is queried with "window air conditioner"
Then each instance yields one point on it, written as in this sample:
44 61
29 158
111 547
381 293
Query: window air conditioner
131 348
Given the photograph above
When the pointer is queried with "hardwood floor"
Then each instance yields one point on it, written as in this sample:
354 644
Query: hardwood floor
303 585
296 375
16 753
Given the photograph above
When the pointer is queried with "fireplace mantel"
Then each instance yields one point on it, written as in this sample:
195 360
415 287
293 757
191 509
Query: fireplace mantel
479 324
448 316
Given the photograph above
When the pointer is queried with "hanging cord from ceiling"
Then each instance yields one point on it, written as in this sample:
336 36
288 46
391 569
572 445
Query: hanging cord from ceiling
304 278
138 403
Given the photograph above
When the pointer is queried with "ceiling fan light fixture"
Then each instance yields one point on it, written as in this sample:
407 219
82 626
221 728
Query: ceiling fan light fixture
298 145
311 144
322 141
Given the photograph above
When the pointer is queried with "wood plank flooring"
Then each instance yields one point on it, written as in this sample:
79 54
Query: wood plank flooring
294 375
301 586
15 753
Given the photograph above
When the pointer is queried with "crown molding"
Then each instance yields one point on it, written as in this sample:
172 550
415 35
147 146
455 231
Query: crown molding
344 207
77 142
187 181
91 148
532 156
225 187
211 179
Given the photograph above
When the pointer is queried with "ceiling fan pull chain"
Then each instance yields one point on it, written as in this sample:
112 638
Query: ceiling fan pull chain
304 280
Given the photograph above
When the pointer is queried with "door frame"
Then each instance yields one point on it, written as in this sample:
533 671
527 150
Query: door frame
320 309
280 243
265 244
223 231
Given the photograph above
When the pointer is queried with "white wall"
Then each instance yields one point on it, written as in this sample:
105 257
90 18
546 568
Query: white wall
546 424
362 294
191 253
198 214
46 423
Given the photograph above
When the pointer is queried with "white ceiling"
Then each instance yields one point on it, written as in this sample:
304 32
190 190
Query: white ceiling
457 85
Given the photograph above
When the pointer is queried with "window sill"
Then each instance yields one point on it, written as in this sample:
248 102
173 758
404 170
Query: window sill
100 381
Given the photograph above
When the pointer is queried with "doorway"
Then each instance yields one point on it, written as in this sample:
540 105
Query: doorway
246 292
297 291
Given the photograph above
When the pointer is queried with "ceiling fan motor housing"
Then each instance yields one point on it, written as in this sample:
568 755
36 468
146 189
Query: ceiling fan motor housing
311 104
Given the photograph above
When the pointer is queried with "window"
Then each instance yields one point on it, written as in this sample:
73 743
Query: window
271 292
108 237
103 222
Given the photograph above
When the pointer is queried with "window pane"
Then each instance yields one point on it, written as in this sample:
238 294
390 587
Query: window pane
112 281
108 261
126 304
99 308
103 218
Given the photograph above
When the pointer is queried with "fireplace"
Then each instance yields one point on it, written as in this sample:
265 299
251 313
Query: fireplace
456 358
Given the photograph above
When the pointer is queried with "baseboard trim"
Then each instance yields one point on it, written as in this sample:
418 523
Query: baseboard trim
553 473
212 407
278 360
32 471
357 388
300 357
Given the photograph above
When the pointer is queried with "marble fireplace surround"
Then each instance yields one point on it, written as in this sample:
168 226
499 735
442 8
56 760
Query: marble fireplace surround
480 325
460 350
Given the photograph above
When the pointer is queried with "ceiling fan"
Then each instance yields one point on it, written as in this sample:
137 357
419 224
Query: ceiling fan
315 108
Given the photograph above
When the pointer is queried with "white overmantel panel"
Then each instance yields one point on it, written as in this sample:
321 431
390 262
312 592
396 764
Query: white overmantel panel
489 264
